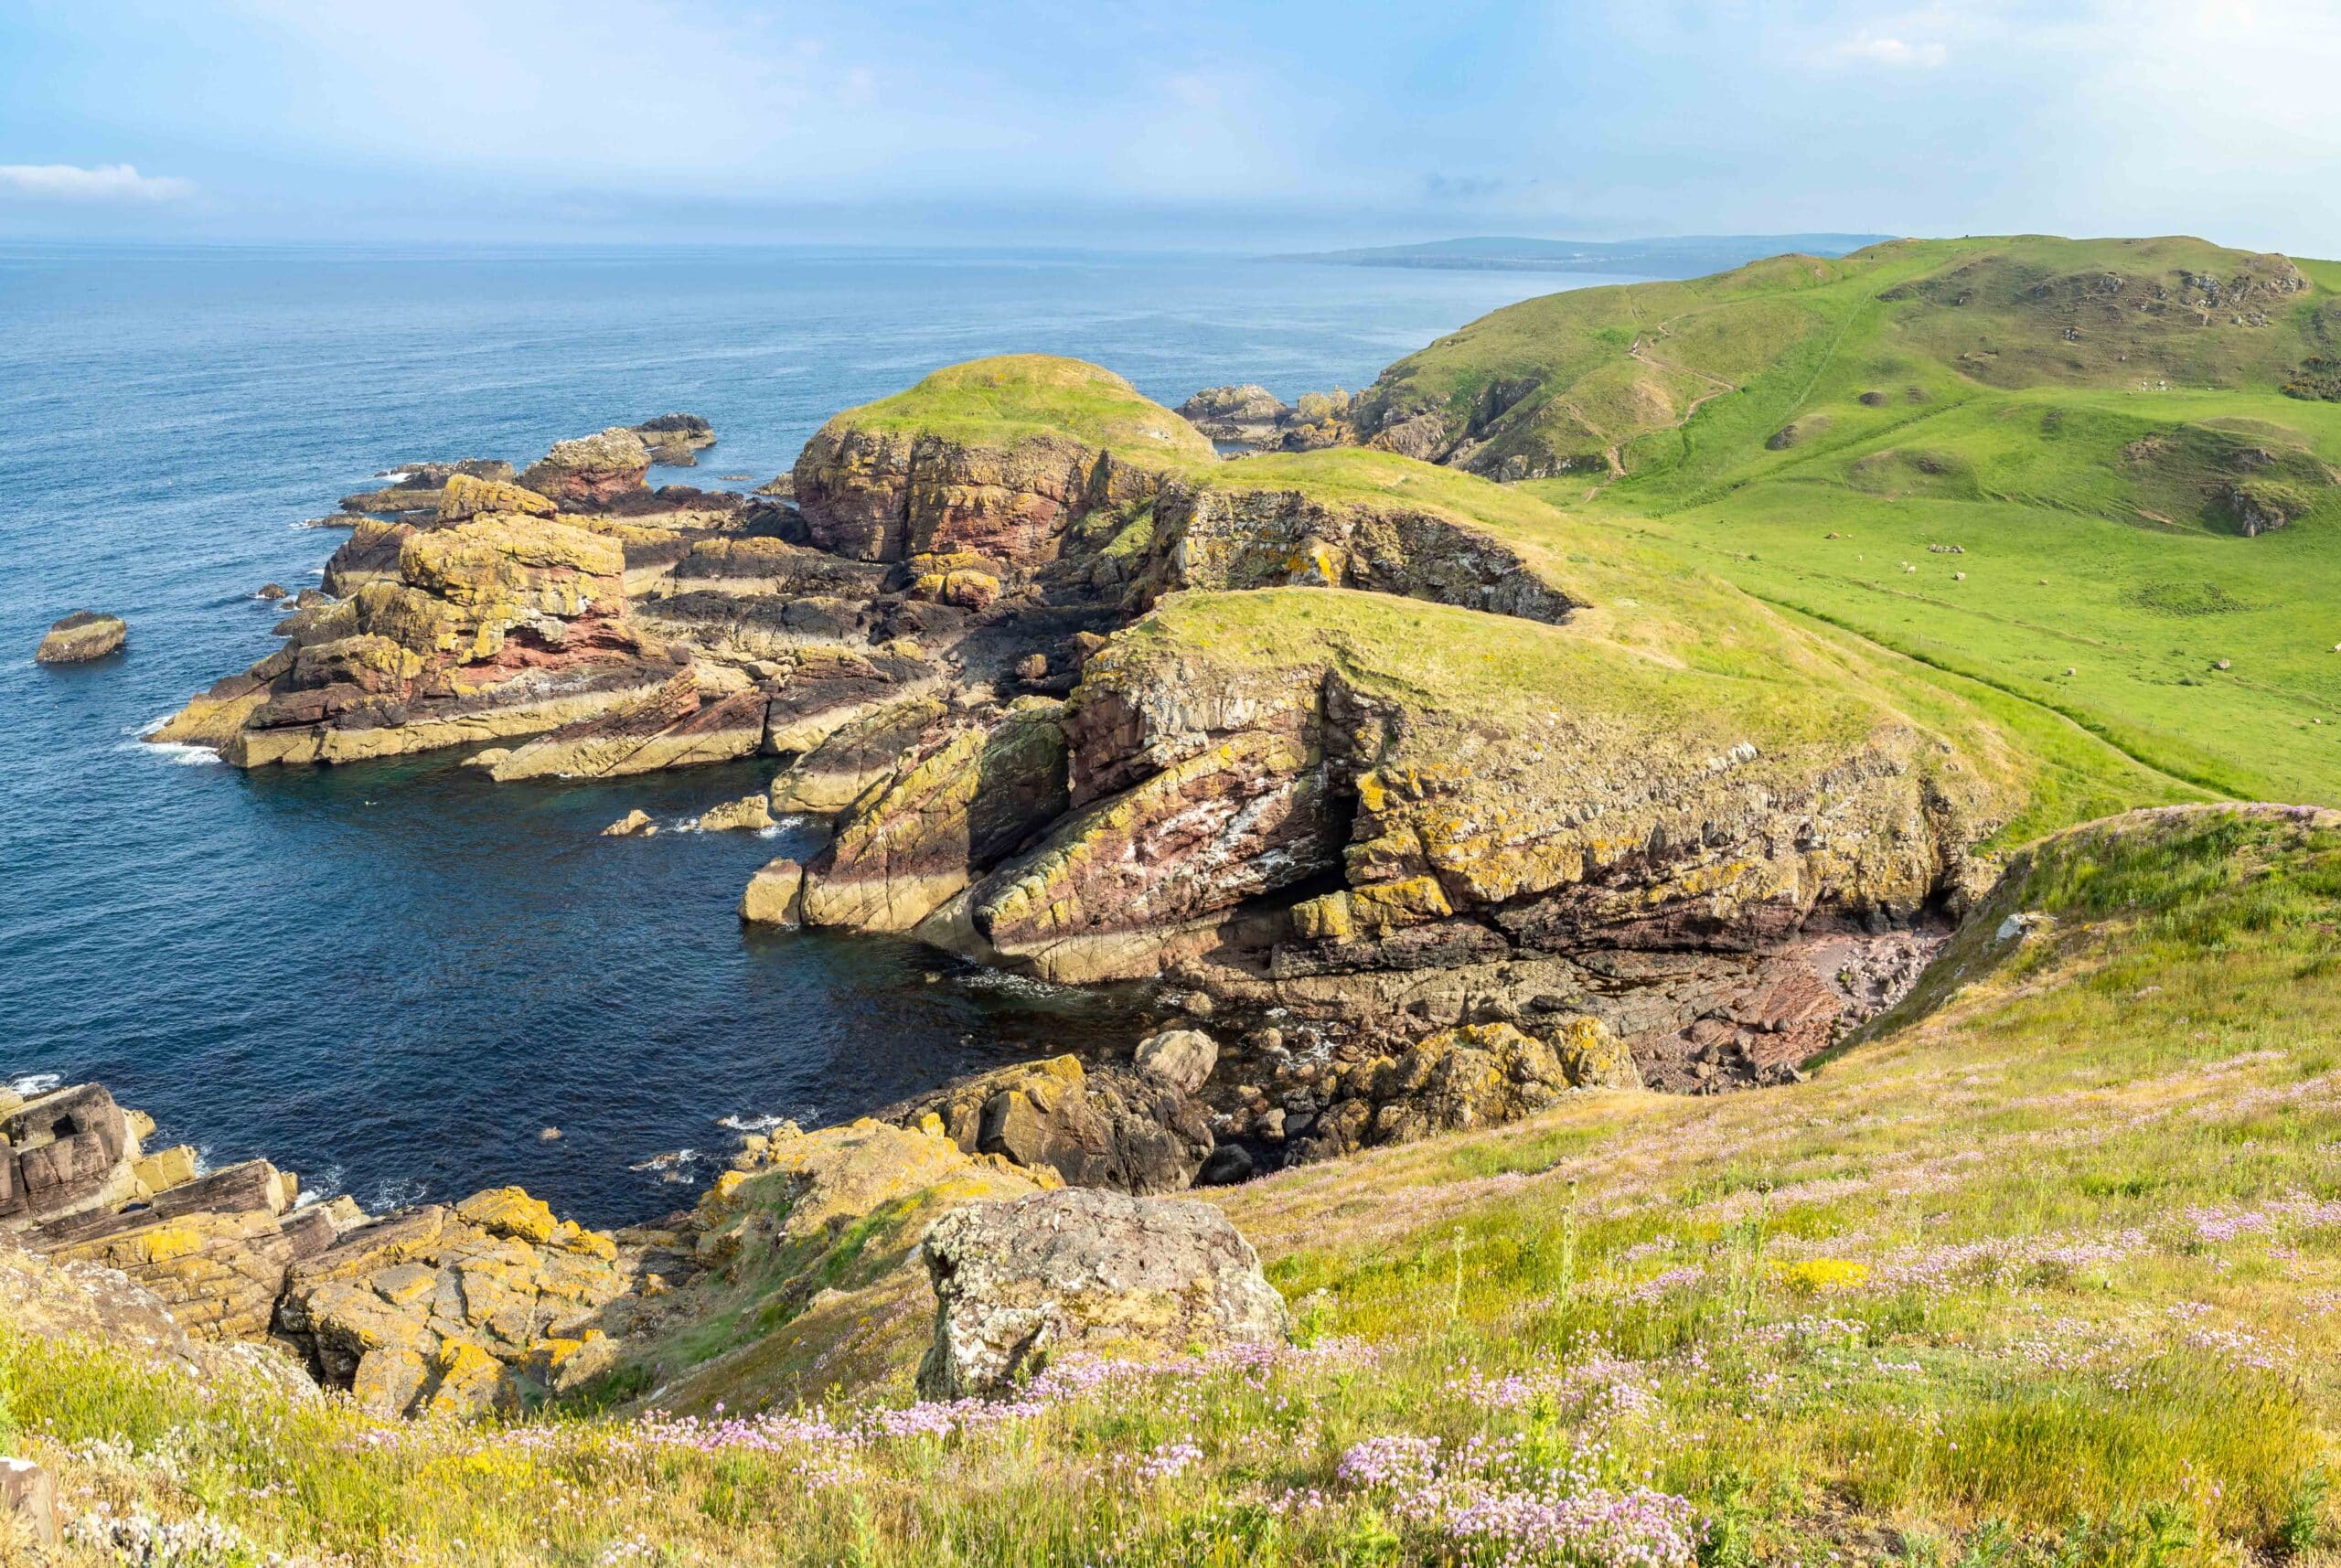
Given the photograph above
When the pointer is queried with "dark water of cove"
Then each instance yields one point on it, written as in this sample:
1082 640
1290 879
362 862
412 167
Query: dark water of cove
390 976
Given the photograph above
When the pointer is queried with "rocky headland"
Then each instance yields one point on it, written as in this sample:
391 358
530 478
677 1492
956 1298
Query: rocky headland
1427 803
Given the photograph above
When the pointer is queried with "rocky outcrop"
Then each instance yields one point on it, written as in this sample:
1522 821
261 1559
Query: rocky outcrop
484 1306
1097 1126
81 636
65 1153
973 796
996 457
1477 1075
857 756
592 471
498 623
675 726
1246 416
1086 1273
1223 535
885 495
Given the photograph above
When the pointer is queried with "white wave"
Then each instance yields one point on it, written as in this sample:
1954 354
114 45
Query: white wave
33 1083
322 1191
673 1160
401 1192
175 751
750 1124
1016 984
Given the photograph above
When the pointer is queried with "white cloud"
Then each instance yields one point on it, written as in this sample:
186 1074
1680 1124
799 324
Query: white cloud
105 183
1885 49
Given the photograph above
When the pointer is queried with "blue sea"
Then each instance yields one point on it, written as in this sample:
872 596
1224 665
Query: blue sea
392 978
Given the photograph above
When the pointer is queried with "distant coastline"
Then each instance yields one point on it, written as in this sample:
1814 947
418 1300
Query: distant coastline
1684 256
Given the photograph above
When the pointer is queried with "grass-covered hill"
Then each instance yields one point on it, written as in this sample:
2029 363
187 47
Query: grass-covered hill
2041 1272
2085 471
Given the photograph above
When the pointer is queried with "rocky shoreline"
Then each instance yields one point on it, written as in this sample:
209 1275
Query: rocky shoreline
491 1304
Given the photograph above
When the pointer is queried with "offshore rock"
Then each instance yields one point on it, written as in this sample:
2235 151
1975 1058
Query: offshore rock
775 895
676 440
592 471
1086 1273
83 635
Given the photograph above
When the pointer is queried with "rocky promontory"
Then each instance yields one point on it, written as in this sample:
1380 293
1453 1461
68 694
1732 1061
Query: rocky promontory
1376 748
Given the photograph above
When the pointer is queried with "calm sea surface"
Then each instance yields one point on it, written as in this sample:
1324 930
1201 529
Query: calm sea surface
390 976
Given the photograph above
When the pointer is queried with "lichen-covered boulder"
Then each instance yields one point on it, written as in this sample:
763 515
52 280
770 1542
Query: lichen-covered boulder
1593 1057
1104 1126
83 635
466 498
1088 1273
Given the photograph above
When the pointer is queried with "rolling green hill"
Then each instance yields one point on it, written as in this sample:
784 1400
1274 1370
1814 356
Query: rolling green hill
2086 471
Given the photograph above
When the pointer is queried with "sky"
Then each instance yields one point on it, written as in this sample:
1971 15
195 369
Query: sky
1212 124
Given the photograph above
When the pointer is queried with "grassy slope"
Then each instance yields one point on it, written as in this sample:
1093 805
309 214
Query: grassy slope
2042 1272
2091 512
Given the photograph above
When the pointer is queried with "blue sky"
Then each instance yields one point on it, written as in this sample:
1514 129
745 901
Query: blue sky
1264 123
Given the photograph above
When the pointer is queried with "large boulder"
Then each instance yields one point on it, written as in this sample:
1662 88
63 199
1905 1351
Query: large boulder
83 635
1087 1273
1104 1127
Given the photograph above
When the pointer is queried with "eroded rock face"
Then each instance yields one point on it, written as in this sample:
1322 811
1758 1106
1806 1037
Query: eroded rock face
1086 1273
65 1153
917 839
886 496
83 635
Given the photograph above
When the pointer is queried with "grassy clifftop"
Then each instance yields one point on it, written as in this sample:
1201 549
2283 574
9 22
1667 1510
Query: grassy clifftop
997 402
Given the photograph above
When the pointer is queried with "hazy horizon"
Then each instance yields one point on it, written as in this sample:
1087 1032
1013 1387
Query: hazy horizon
1223 128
